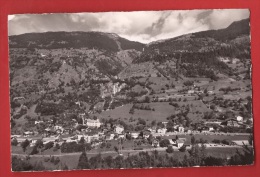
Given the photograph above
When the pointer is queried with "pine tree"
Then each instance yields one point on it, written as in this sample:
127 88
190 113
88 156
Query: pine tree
25 144
83 161
185 162
193 140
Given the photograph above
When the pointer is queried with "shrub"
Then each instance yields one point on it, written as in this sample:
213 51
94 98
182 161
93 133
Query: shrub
14 142
225 142
182 149
164 143
216 141
169 149
56 161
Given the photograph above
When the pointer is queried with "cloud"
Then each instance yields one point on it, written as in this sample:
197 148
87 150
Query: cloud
143 26
156 27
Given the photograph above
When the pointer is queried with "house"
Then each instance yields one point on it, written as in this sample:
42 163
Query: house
121 136
146 134
21 139
204 130
177 142
240 119
27 133
152 130
119 129
93 123
34 140
189 131
50 139
18 98
233 123
38 122
210 92
181 129
77 103
42 55
162 130
211 129
191 91
89 137
58 129
110 136
155 143
49 131
134 134
15 136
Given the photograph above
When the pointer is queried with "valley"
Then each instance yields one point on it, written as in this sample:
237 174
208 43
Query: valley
93 92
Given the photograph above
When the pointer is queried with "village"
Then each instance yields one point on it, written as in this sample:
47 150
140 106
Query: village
95 133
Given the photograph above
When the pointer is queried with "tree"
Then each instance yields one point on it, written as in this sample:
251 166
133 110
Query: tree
243 158
193 140
65 167
214 161
34 150
250 139
25 144
82 140
39 144
182 149
132 111
153 123
169 149
116 149
20 165
48 145
150 139
56 161
83 161
147 99
185 162
102 145
216 141
14 142
164 143
195 158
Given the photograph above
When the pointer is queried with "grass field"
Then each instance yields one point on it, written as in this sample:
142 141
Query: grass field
209 138
162 111
72 160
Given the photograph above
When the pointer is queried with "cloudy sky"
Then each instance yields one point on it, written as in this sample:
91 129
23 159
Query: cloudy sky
142 26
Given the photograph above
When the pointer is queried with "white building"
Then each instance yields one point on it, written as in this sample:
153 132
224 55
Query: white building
121 136
57 127
211 129
119 129
181 129
240 119
191 91
110 136
93 123
162 130
178 143
38 122
134 134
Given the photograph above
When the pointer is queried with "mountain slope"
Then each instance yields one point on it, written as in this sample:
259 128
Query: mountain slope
200 54
54 40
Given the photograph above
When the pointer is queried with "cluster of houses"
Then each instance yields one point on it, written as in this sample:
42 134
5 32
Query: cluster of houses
95 132
92 133
238 121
